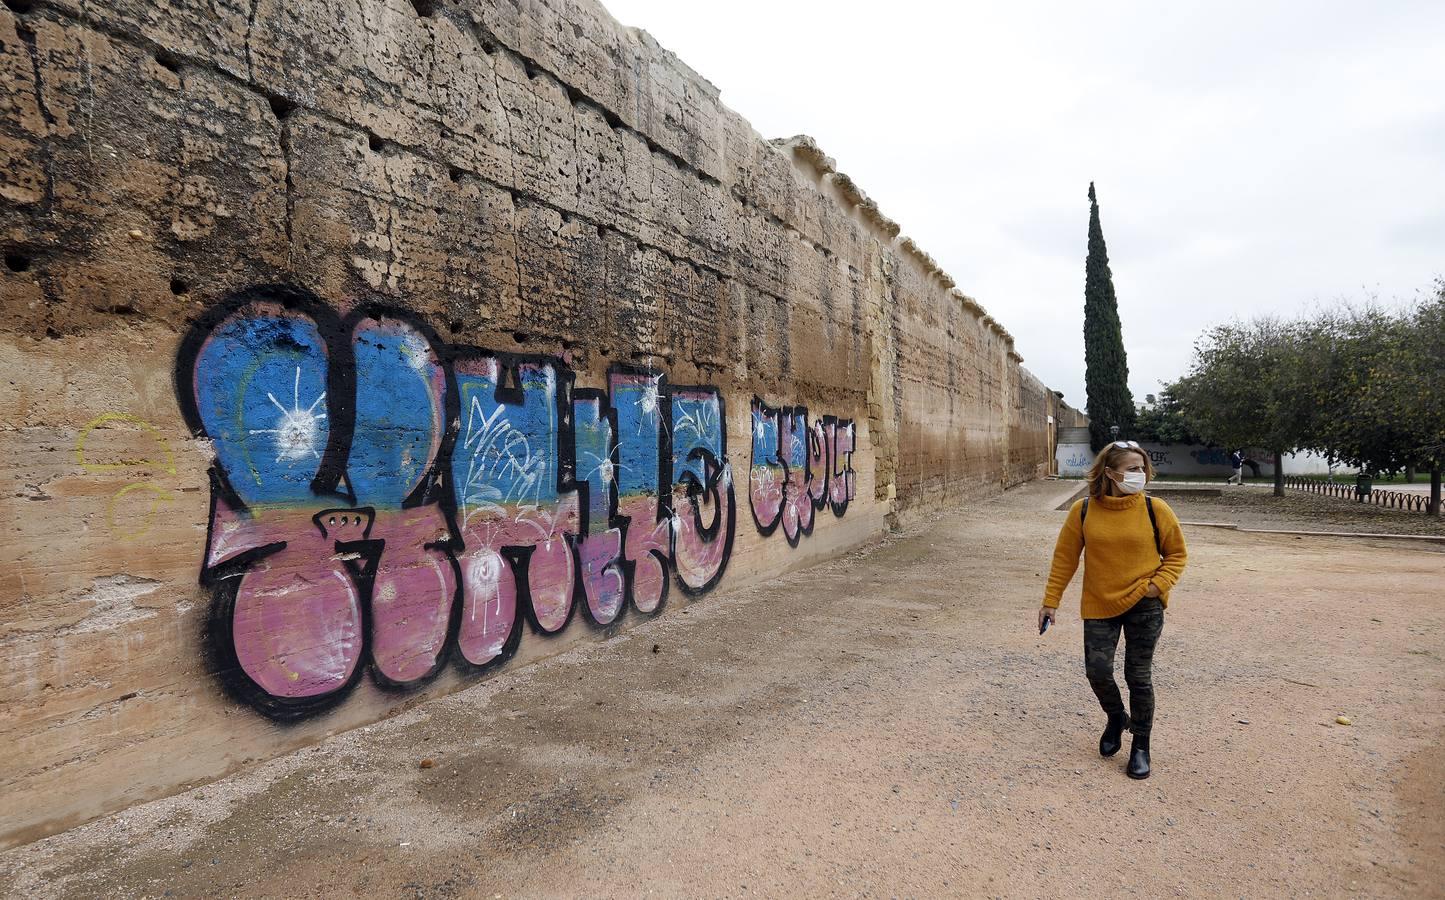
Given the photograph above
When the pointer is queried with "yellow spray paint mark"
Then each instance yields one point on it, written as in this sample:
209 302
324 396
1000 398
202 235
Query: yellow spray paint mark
166 458
158 495
161 458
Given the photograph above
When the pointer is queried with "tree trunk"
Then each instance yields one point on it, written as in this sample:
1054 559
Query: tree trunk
1435 490
1410 474
1279 473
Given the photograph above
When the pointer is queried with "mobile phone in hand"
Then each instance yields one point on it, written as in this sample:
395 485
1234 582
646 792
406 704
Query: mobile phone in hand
1045 625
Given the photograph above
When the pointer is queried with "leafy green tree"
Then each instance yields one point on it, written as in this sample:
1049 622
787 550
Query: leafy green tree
1163 420
1425 391
1249 386
1380 387
1356 355
1362 384
1106 369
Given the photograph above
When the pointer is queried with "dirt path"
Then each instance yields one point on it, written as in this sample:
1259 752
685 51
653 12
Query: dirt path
887 725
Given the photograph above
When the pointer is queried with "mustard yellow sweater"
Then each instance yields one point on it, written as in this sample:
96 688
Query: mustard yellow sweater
1120 559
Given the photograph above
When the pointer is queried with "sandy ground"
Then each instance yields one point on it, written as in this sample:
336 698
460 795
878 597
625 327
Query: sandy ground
887 725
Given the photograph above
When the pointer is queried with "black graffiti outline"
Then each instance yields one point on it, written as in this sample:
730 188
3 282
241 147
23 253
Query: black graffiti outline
767 413
605 413
661 498
839 509
362 558
792 413
223 579
714 472
432 487
822 434
518 556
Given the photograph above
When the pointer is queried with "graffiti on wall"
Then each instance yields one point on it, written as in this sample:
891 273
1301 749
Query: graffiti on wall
1210 456
797 469
1073 459
384 501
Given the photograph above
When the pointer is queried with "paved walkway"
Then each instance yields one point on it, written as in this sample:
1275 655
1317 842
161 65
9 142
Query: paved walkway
890 724
1415 488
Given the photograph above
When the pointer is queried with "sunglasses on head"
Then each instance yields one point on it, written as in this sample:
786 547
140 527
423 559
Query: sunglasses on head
1127 445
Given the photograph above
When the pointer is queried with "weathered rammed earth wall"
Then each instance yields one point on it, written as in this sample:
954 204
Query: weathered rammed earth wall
350 349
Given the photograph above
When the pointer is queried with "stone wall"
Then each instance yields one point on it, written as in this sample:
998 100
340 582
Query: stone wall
351 351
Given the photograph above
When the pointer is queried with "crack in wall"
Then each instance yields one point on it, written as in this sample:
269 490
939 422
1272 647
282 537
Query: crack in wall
512 192
290 191
390 204
47 156
575 94
246 41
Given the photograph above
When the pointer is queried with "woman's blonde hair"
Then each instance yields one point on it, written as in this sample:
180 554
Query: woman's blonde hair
1108 458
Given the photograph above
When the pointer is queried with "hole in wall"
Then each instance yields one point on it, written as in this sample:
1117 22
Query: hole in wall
374 142
168 60
530 69
454 326
425 8
179 287
280 106
489 48
455 174
602 231
19 6
519 336
17 262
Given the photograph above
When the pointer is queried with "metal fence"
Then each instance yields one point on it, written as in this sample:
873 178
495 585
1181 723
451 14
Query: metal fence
1348 491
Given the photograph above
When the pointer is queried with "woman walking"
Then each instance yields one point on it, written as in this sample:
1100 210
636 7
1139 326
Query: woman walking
1133 556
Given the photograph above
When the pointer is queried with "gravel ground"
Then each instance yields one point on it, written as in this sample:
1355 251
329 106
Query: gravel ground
1254 506
888 724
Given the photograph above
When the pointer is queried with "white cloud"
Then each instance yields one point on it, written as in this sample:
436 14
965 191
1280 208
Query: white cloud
1259 157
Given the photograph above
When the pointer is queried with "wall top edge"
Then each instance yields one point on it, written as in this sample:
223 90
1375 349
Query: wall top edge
810 159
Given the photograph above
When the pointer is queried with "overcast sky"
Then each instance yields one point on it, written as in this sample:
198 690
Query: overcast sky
1261 157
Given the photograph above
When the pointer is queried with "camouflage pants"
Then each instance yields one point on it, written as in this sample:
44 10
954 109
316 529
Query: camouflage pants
1141 625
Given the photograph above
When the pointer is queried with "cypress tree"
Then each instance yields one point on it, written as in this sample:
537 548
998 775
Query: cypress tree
1106 370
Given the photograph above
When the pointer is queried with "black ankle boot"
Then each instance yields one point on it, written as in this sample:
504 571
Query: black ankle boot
1139 758
1111 740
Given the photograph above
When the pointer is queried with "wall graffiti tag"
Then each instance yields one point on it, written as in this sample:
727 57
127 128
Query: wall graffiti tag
384 501
798 469
1210 456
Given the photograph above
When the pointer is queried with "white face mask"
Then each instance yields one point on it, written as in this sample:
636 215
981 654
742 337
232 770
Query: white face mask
1133 482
